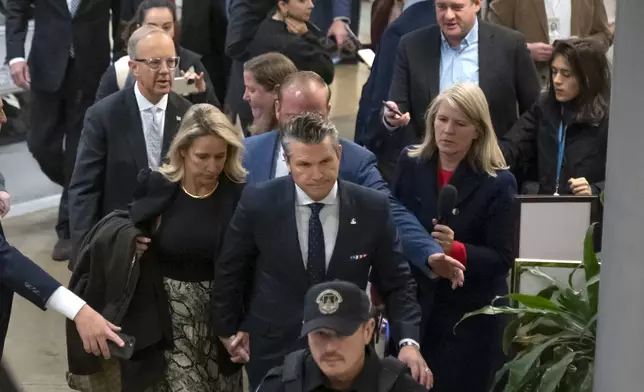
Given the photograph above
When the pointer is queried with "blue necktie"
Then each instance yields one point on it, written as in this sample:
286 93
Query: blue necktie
316 264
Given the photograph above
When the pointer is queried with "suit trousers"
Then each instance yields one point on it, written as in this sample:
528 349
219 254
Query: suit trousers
57 122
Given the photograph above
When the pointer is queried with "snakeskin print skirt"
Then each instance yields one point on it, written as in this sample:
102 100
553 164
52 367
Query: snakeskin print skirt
192 364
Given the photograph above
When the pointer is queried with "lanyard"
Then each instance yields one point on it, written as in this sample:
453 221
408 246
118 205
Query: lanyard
560 154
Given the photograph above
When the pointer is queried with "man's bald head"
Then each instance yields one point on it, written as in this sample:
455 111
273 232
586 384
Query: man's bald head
302 92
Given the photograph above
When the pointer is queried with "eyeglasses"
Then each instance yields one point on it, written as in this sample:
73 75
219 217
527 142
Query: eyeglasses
156 63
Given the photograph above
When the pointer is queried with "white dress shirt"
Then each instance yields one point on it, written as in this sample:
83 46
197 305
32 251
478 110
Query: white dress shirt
562 10
19 59
146 116
329 217
281 169
65 302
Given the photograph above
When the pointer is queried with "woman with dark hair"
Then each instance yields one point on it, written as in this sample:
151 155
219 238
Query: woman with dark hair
560 144
288 31
163 14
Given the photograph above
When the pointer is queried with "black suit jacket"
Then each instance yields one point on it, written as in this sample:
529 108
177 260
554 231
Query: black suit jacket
111 153
261 259
507 76
55 32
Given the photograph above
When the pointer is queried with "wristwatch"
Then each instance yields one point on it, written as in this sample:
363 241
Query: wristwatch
409 342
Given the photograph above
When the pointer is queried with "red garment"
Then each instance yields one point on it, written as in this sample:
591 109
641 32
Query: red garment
458 248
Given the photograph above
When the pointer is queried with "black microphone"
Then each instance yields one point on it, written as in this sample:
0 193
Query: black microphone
446 204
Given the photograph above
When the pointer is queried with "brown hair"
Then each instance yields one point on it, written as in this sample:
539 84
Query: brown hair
270 69
589 65
129 27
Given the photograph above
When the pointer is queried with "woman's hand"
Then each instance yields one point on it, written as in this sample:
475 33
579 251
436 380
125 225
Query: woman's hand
580 186
295 26
200 81
141 245
444 236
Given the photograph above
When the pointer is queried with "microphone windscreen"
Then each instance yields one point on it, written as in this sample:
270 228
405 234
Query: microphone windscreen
446 202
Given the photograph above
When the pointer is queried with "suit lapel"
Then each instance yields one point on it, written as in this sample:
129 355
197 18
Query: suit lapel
434 66
134 130
465 180
348 229
171 124
577 13
267 157
540 9
487 54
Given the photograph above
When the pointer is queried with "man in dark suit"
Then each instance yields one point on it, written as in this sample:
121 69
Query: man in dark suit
296 231
126 132
305 91
70 51
416 14
459 49
243 21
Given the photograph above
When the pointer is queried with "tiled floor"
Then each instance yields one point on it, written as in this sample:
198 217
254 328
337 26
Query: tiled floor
35 349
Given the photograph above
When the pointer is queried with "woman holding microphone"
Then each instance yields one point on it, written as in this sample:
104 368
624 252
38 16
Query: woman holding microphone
460 148
560 143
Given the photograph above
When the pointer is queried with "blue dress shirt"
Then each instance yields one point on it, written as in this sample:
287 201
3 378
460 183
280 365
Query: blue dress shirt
460 65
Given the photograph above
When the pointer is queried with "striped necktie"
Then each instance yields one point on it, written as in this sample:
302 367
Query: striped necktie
73 7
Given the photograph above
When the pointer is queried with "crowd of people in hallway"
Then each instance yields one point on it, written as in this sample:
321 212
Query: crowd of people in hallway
215 222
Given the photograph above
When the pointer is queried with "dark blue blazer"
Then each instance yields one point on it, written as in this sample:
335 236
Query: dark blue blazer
358 165
20 275
261 260
465 358
376 89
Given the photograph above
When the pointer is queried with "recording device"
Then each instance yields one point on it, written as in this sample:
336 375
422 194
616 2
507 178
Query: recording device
184 86
446 204
124 352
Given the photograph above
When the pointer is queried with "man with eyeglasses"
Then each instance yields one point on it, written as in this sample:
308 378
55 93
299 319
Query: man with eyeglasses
126 132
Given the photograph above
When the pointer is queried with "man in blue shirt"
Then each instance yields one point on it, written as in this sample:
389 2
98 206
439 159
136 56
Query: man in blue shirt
460 48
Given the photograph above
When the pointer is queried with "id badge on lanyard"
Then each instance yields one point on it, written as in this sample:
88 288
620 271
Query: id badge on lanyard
560 154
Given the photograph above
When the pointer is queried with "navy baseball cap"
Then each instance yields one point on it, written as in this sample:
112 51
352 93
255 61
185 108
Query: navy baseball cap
339 306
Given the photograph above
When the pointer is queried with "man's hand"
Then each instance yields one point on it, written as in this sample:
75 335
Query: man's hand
142 245
394 117
5 203
580 186
95 331
419 369
200 81
448 268
338 29
540 51
238 347
20 74
444 236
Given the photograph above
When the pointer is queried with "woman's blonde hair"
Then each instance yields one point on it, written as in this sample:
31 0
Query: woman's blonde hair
484 154
205 120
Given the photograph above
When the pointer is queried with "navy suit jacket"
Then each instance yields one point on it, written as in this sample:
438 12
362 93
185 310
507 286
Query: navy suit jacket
376 89
20 275
261 262
357 165
485 223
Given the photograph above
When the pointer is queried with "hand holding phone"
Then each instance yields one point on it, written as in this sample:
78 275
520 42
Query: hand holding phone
124 352
393 116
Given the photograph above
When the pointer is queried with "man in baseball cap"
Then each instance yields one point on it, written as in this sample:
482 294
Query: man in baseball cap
338 327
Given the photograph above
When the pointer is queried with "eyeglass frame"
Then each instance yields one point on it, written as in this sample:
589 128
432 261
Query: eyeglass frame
147 62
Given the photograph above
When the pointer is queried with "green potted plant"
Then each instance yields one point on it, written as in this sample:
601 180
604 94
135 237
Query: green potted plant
553 333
